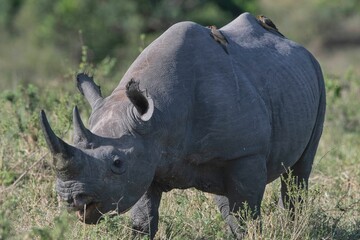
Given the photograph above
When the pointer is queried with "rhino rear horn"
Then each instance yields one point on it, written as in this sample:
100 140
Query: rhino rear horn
142 102
82 136
63 153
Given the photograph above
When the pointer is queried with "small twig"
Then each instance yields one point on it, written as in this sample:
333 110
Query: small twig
19 163
323 156
84 225
24 173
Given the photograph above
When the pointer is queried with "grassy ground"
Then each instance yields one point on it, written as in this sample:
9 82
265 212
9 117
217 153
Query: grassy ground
29 208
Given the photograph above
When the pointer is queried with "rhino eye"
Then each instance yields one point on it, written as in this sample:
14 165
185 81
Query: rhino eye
117 163
117 166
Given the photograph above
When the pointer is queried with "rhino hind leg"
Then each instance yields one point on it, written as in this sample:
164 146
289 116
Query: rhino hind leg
245 181
294 182
298 176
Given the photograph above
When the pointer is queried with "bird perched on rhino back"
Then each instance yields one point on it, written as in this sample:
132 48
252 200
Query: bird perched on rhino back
219 37
266 23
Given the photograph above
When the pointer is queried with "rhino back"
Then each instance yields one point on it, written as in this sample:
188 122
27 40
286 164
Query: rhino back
201 101
262 98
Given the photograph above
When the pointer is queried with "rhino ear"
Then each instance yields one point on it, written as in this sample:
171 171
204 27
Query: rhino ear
89 89
143 103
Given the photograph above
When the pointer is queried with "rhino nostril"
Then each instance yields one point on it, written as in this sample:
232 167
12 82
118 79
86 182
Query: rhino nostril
67 199
81 199
80 196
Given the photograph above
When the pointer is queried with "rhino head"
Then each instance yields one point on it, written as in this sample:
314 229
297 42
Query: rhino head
108 168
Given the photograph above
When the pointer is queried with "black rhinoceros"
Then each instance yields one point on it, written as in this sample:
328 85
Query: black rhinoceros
187 114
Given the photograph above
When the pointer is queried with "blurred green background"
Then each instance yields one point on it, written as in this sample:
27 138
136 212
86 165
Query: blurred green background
41 41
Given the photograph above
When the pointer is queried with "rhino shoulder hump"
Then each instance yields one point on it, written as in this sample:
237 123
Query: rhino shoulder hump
186 29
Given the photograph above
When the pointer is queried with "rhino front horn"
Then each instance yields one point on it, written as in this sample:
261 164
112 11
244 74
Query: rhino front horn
63 153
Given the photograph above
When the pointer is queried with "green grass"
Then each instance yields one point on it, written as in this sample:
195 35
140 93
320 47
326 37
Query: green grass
29 208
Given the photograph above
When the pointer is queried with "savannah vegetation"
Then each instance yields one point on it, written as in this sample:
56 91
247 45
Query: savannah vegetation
44 43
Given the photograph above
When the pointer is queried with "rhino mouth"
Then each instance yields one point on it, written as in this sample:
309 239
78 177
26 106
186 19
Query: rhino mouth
88 213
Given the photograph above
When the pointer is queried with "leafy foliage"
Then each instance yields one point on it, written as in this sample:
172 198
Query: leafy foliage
343 109
110 27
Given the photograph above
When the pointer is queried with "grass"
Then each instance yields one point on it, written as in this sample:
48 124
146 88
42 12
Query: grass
29 208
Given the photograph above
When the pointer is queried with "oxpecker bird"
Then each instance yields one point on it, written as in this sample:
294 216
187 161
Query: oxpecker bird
219 37
266 23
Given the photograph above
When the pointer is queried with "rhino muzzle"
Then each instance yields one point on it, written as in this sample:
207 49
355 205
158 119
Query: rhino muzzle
79 199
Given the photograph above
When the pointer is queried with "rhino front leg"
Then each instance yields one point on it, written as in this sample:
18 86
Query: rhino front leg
145 215
235 226
245 181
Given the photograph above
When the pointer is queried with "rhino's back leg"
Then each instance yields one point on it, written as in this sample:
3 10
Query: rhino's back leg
300 171
296 179
245 181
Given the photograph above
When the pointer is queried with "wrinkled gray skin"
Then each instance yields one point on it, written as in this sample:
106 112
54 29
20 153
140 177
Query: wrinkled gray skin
226 124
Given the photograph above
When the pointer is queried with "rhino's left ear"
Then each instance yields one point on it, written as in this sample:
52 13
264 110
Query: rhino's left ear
143 103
